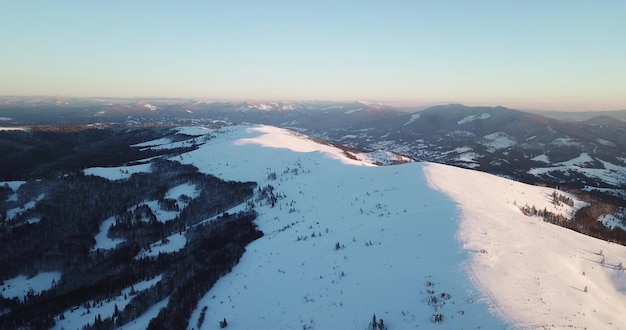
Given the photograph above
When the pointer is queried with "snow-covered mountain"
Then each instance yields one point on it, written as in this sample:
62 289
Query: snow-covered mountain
345 240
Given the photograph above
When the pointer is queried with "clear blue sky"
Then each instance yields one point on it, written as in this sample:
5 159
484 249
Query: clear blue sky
561 55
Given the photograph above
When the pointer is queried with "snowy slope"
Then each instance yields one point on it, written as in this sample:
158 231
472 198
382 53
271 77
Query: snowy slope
395 236
535 273
21 285
347 239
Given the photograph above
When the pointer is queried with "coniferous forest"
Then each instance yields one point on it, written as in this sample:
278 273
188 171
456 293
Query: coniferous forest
57 234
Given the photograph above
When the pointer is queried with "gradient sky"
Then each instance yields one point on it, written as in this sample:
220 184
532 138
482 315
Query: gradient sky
556 55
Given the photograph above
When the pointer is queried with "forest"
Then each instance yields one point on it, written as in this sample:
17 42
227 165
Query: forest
70 207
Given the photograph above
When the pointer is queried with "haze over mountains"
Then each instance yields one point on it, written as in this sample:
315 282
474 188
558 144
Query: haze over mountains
319 224
581 154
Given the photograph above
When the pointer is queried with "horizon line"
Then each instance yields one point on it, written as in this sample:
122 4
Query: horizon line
396 104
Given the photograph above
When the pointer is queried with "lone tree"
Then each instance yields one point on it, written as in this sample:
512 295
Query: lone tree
377 325
223 323
437 318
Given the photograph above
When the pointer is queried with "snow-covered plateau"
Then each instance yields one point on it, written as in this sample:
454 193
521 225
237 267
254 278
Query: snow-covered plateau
348 239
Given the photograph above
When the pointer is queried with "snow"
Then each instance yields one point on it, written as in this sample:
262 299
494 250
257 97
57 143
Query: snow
354 110
465 155
606 143
413 118
542 158
150 106
567 142
162 215
13 185
273 137
166 143
530 277
611 173
460 134
187 189
144 319
534 273
79 316
291 123
471 118
172 243
152 143
468 157
370 103
611 176
611 221
498 140
611 166
4 128
160 145
103 241
348 136
459 150
20 285
383 157
400 229
581 160
14 212
332 107
261 106
118 172
291 278
193 130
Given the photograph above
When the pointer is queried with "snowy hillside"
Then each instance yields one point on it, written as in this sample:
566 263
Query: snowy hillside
536 274
347 240
418 245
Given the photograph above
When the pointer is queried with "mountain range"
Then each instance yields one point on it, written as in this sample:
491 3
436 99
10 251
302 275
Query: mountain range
587 155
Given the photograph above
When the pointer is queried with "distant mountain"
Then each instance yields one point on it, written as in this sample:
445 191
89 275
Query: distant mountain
316 114
580 116
507 142
526 146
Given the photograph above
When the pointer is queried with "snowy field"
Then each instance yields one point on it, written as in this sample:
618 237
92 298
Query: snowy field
471 118
172 243
12 213
22 285
498 140
611 173
76 317
117 173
